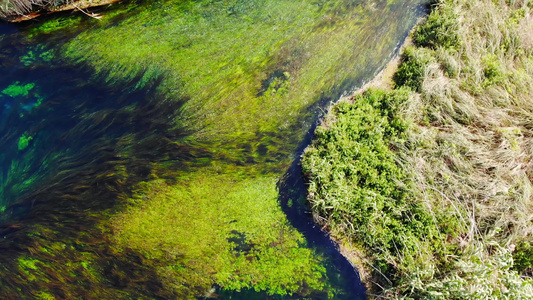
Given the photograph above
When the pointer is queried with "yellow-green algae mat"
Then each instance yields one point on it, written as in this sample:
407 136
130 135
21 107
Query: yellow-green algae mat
231 232
252 75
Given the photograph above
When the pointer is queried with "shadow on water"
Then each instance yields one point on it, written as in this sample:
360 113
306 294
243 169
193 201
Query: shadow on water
77 127
90 144
292 197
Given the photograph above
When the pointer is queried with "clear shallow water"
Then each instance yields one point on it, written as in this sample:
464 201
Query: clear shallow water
165 165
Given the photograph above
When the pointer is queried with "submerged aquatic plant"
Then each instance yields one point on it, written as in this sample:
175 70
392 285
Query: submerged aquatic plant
24 141
16 89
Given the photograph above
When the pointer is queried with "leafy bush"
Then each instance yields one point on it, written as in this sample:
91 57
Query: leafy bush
492 70
439 30
355 183
413 67
523 257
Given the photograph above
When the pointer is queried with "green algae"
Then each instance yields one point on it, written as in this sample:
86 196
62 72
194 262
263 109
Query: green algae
16 89
212 228
39 274
23 99
29 266
55 24
45 296
24 141
26 95
38 54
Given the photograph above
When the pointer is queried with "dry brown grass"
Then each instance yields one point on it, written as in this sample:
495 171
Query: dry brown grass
473 138
22 10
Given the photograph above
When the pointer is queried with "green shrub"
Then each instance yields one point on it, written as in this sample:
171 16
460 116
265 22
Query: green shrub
492 70
355 183
523 257
413 67
439 30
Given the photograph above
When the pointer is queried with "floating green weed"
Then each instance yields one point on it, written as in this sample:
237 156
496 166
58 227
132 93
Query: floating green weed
24 141
16 89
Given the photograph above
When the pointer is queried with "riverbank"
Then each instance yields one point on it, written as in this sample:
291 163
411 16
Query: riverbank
22 10
426 185
383 80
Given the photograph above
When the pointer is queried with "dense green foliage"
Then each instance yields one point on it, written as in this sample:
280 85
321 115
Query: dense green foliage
413 69
439 30
523 257
357 186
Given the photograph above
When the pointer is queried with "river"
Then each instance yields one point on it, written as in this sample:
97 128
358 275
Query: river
153 152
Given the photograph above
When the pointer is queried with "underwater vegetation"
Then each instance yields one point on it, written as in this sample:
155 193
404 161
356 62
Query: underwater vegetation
153 167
